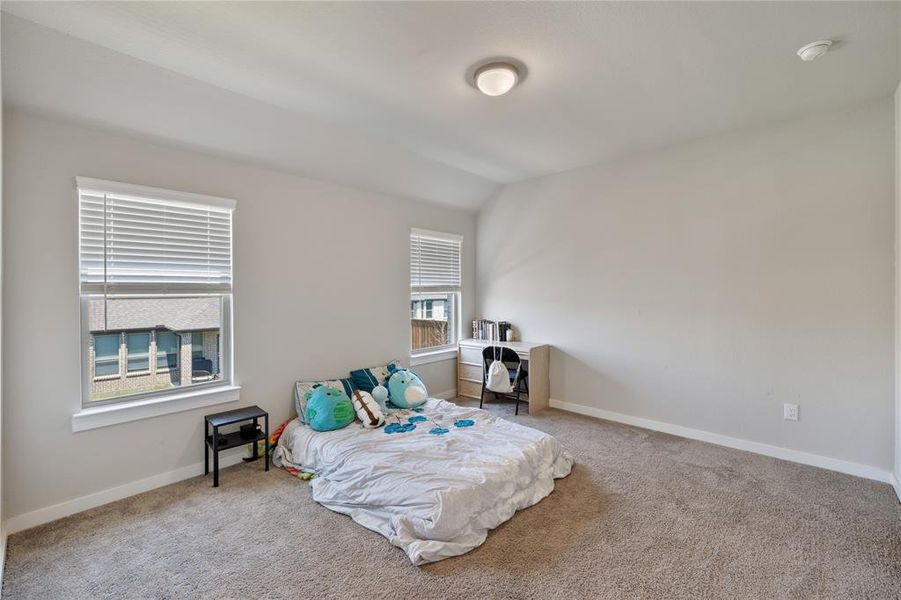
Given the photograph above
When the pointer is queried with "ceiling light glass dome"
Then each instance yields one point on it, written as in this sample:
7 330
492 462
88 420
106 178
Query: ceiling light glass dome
496 79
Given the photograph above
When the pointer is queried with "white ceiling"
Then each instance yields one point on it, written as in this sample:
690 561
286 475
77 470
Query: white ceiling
374 94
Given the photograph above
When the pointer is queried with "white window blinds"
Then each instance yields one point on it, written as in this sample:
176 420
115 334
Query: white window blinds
435 261
134 239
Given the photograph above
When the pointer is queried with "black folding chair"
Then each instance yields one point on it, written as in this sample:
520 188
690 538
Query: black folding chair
514 369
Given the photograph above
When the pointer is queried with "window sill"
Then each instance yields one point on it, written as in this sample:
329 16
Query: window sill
108 377
424 358
112 414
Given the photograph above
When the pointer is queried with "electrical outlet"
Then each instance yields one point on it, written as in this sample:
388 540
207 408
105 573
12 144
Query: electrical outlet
790 412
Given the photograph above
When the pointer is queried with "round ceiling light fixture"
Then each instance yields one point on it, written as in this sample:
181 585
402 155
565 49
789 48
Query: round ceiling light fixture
496 78
814 50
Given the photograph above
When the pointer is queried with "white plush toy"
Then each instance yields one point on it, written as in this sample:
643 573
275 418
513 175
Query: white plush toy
368 410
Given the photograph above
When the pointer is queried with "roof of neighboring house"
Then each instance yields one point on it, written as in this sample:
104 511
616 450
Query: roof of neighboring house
176 314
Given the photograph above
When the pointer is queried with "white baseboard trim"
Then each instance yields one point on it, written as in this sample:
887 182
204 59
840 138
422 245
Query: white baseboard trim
797 456
70 507
897 485
448 395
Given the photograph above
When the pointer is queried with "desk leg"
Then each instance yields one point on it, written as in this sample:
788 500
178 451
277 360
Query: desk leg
256 451
267 441
206 452
539 379
215 457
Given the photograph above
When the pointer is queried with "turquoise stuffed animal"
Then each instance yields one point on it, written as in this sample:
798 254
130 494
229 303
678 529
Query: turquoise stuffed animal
380 395
405 389
328 409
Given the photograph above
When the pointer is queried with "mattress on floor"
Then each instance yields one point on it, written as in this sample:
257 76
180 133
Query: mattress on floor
434 496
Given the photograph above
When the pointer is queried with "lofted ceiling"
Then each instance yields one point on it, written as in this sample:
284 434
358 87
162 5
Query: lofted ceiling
374 94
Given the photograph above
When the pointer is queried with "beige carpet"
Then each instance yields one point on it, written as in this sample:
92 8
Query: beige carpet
643 515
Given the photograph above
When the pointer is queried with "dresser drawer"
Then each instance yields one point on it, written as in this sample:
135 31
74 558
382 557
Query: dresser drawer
469 388
472 372
471 355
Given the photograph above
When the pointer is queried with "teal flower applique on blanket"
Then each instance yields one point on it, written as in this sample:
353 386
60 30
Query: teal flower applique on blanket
398 428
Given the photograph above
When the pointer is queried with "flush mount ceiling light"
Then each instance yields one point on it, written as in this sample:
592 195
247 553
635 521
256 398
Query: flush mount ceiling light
814 50
496 78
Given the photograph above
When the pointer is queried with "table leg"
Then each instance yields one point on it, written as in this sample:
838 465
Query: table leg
256 447
266 418
206 452
215 456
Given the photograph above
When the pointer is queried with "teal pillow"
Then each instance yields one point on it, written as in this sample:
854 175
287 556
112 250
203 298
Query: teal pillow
328 409
366 379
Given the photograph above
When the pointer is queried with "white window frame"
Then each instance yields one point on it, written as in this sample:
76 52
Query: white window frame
446 351
101 413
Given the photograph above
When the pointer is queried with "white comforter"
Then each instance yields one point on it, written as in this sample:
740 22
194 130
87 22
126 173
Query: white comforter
434 496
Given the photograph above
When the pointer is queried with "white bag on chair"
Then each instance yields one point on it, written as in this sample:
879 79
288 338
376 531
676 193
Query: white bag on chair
498 379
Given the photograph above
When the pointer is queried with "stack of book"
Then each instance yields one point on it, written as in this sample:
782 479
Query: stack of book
483 329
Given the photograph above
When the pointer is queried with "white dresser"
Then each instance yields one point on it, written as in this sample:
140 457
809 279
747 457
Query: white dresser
536 357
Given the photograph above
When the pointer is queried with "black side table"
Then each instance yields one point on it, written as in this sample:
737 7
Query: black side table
216 442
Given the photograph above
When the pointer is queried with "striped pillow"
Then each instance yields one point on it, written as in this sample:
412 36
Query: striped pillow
302 387
366 379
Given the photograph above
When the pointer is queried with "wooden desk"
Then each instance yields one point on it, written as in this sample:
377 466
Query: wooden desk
470 369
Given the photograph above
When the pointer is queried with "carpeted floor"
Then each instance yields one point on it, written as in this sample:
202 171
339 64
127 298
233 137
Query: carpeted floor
643 515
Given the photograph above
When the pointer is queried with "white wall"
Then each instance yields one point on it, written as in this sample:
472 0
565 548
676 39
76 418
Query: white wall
897 470
2 513
897 164
705 285
322 284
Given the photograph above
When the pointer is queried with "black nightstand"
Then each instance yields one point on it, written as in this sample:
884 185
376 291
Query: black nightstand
217 442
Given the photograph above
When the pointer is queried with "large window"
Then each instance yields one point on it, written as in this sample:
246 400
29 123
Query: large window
435 285
154 264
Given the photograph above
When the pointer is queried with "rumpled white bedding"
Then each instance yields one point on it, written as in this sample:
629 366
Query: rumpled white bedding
434 496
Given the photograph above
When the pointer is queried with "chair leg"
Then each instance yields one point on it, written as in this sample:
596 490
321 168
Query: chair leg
482 395
516 412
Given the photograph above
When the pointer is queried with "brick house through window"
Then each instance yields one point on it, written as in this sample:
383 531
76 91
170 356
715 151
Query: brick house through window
150 344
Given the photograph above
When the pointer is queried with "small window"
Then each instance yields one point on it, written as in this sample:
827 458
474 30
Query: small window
433 327
106 355
197 345
167 346
138 352
435 285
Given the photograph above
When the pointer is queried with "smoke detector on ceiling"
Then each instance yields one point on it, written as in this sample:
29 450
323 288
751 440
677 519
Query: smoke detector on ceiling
814 50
